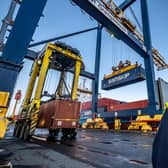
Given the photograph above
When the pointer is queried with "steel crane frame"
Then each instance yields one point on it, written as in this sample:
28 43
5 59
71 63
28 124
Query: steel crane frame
26 125
98 11
21 36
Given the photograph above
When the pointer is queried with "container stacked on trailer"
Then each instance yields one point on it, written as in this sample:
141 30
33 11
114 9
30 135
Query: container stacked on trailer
57 114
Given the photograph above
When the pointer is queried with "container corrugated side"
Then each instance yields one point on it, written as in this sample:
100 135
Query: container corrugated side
125 115
59 111
123 79
102 102
126 106
66 115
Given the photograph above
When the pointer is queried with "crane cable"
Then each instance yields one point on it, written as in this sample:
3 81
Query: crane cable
113 55
121 53
135 18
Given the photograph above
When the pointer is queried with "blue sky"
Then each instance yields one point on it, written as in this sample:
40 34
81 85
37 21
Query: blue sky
62 17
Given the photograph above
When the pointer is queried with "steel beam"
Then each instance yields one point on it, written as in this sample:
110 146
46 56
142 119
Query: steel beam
17 43
87 74
123 6
99 12
23 29
95 83
31 55
7 21
149 68
84 74
61 37
8 75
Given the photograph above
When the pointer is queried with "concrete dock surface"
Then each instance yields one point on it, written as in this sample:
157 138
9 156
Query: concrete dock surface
92 148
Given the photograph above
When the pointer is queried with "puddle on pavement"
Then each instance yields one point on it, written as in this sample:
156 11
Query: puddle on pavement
138 162
8 138
106 142
70 145
92 150
83 137
95 151
125 140
106 165
27 166
32 148
116 140
80 147
146 145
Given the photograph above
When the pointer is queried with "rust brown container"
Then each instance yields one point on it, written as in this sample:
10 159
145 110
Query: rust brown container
59 114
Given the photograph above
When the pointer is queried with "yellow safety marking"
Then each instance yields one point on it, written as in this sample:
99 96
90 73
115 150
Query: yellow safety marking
33 126
3 127
42 74
66 52
4 97
120 71
31 84
75 80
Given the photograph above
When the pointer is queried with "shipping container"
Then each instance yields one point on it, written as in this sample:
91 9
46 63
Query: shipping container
103 102
84 118
128 106
59 114
124 79
121 110
89 112
124 115
85 113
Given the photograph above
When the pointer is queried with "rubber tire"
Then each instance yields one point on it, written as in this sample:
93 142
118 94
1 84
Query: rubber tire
15 128
18 129
22 131
56 131
64 133
73 133
26 136
51 133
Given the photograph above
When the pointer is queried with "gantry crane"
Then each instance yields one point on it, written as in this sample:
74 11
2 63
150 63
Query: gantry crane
107 14
118 13
61 58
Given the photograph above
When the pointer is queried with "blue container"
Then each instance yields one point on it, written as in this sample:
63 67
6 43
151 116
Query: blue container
84 118
125 78
85 114
123 115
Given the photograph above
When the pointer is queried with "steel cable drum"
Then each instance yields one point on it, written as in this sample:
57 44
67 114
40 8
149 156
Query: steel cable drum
123 79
